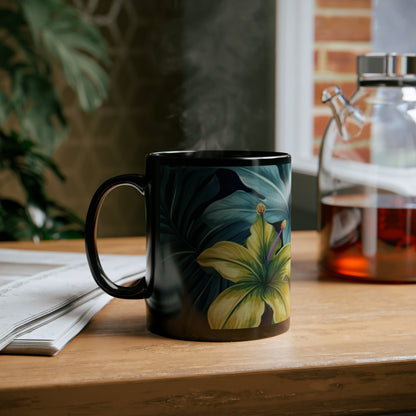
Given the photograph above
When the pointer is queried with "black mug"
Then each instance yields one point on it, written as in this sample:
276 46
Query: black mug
218 243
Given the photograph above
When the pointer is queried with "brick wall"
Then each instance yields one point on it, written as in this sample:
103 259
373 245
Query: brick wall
342 32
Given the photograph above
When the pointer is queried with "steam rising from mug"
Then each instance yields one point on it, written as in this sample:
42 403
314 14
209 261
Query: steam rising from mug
228 88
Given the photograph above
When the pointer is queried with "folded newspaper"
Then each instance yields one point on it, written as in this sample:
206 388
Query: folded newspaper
46 298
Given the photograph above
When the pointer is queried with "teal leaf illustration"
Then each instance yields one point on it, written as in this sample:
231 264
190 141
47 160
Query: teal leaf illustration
270 185
261 276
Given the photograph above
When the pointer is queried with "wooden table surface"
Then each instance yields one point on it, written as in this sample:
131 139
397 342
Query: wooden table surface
351 349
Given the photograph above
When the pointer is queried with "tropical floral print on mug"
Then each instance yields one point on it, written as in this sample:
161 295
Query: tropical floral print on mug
235 253
260 271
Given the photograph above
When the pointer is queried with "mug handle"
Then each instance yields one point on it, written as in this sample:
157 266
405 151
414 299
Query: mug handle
140 289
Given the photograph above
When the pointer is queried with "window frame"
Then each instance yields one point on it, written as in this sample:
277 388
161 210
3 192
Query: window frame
294 83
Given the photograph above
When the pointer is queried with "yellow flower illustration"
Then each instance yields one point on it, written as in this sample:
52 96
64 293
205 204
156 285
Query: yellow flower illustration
260 272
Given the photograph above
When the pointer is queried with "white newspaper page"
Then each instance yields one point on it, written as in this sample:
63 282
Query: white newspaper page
46 298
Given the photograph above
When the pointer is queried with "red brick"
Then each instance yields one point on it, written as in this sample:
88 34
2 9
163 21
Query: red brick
356 148
359 153
319 125
344 4
343 28
345 151
316 59
365 133
341 61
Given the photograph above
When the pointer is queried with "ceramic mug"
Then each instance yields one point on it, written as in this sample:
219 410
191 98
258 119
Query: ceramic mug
218 243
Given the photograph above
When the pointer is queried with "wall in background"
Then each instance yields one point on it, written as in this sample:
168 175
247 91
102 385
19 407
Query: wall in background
394 26
143 42
184 74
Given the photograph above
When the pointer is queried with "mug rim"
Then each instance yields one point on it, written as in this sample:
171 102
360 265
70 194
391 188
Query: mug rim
220 157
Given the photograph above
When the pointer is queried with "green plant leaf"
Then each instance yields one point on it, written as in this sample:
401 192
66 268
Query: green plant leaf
38 108
4 107
6 55
40 217
34 33
14 221
60 31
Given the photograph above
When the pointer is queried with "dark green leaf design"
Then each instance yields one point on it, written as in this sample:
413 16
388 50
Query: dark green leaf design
186 193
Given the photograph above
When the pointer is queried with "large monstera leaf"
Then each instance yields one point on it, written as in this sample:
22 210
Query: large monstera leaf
186 192
260 275
270 185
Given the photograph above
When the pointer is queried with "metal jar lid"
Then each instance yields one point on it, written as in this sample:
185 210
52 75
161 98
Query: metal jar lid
389 68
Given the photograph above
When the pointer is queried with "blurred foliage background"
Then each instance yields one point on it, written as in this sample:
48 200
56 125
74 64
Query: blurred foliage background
183 74
38 38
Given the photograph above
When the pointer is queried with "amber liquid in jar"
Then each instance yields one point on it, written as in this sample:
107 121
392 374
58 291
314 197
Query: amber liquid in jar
369 237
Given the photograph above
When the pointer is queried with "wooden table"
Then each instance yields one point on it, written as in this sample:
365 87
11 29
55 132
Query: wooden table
351 349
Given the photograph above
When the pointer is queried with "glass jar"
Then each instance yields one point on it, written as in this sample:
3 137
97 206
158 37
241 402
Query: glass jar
367 174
